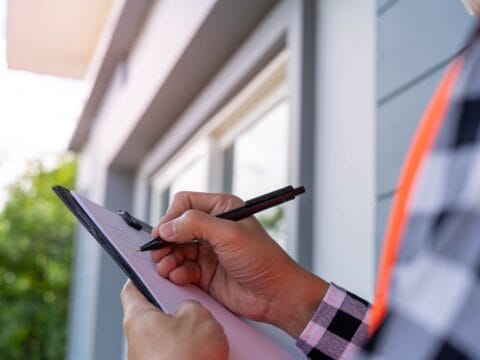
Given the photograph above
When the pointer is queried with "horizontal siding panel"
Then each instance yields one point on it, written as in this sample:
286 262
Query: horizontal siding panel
415 35
384 6
381 3
397 121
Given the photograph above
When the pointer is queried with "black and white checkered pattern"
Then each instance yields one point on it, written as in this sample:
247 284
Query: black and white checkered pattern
338 327
435 298
434 303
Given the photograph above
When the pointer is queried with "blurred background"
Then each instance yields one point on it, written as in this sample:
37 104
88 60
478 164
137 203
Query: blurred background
131 101
38 111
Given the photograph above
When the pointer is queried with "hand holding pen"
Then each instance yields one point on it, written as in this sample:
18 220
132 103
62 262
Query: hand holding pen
250 207
236 262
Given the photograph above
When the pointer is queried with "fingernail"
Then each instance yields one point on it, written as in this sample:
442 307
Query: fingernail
167 230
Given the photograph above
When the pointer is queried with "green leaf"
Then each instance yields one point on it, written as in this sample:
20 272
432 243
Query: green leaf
36 236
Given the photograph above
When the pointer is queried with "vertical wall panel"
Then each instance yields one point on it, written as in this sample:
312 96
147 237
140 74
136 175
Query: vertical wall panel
345 144
301 78
81 318
108 335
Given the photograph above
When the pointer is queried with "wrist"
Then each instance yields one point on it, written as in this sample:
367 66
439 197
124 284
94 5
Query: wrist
296 301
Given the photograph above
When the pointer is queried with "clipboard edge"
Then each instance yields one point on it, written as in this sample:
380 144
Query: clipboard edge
75 208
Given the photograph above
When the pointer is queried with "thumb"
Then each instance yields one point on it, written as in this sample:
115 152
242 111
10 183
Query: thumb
188 306
132 299
139 316
198 225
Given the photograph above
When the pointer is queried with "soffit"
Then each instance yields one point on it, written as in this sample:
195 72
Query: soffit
55 37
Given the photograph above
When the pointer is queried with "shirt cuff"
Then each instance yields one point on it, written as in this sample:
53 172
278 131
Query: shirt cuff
338 327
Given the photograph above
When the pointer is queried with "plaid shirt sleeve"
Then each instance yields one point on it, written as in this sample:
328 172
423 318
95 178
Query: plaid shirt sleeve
338 327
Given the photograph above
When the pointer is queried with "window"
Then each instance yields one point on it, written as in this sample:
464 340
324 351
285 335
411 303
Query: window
185 171
255 163
243 150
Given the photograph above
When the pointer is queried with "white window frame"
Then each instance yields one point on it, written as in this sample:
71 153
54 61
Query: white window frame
265 90
161 181
289 26
268 88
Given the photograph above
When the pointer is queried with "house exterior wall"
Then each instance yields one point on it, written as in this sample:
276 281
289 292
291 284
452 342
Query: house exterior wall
145 68
346 59
345 167
414 40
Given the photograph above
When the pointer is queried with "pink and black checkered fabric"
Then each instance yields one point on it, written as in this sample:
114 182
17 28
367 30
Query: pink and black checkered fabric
338 328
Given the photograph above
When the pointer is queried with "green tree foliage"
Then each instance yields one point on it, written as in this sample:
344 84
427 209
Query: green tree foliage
36 234
272 219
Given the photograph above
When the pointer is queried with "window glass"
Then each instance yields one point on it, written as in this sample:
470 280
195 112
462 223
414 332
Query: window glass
256 163
185 172
164 201
191 178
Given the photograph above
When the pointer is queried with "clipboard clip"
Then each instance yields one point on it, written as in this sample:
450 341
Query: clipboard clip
134 222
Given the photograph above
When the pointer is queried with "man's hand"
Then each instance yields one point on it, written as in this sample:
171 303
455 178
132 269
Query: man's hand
192 333
238 263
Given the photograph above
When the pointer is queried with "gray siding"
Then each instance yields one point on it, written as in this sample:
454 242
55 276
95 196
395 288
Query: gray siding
414 37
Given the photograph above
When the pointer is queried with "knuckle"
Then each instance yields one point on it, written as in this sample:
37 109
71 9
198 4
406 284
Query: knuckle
128 319
178 196
189 217
134 316
204 313
126 324
178 256
236 200
189 307
155 229
230 201
124 292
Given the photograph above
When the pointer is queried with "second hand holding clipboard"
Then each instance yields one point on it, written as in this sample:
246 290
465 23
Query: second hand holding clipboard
251 207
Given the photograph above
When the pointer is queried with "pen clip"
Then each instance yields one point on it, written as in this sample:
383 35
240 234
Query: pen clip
134 222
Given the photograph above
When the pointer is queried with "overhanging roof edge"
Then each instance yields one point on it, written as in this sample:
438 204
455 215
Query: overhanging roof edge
119 35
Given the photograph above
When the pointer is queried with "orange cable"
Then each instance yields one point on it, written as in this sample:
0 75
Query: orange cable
421 145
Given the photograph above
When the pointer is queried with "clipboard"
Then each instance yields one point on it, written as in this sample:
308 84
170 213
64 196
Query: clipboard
247 339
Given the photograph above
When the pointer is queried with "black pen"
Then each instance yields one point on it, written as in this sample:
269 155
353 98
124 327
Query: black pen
251 207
